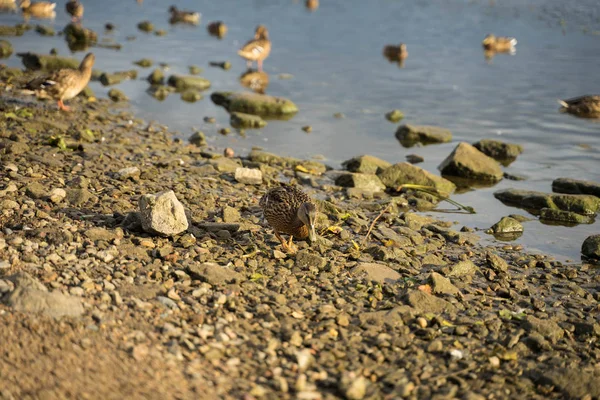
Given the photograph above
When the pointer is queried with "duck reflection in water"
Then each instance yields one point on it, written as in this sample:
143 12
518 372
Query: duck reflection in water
257 81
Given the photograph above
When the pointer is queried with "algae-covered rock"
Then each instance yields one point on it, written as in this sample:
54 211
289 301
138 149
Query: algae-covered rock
225 65
182 82
191 96
404 173
157 77
579 203
6 30
145 26
468 162
144 63
569 217
47 63
366 182
160 92
263 157
162 214
247 121
409 135
6 49
108 79
75 34
45 30
218 29
498 150
591 247
198 138
394 116
506 225
576 186
254 103
366 164
116 95
194 70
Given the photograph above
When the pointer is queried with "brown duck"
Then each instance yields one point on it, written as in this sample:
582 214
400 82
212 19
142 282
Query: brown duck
395 53
42 9
499 44
291 211
257 49
218 29
75 9
66 83
583 106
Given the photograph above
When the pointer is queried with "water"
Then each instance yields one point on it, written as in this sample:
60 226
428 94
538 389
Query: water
335 57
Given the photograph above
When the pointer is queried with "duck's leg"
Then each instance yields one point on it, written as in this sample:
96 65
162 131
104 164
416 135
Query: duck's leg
259 66
284 244
249 64
62 106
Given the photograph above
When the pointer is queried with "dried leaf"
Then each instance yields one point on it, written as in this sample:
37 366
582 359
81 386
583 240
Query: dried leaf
425 288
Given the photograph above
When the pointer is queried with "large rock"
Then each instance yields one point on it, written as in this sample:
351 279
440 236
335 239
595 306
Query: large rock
566 217
30 296
366 164
403 173
528 199
545 327
498 150
377 272
254 103
575 383
366 182
591 247
576 186
162 214
468 162
248 176
506 225
409 135
442 285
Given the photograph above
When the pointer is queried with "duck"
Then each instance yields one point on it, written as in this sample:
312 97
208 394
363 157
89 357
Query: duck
395 53
218 29
499 44
188 17
66 83
312 5
8 5
41 9
75 9
583 106
289 210
257 49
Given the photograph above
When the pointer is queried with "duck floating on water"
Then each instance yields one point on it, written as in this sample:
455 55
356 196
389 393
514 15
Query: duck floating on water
75 9
583 106
499 44
185 16
42 9
257 49
291 211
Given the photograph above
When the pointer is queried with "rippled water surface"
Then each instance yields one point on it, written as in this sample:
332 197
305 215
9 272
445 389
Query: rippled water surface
335 57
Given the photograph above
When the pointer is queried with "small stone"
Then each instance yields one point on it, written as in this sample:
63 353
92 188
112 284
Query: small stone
214 274
117 95
547 328
343 320
442 285
279 255
128 173
231 214
228 152
307 259
462 268
414 159
35 191
591 247
410 135
198 138
425 302
495 262
366 164
506 225
377 272
248 176
162 214
307 128
304 358
394 116
352 386
57 195
422 322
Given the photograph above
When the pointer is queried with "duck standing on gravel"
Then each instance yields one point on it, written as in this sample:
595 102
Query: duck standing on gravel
257 49
75 9
42 9
583 106
291 211
499 44
66 83
188 17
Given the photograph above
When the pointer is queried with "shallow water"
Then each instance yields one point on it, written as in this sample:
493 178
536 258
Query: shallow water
335 57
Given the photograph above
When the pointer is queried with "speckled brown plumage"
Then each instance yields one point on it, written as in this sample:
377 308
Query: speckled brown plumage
583 106
280 207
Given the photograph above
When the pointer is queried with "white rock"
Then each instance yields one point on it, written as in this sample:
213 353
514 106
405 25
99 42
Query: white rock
162 214
248 176
128 172
57 195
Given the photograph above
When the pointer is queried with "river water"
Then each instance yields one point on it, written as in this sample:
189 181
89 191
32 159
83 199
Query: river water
334 57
